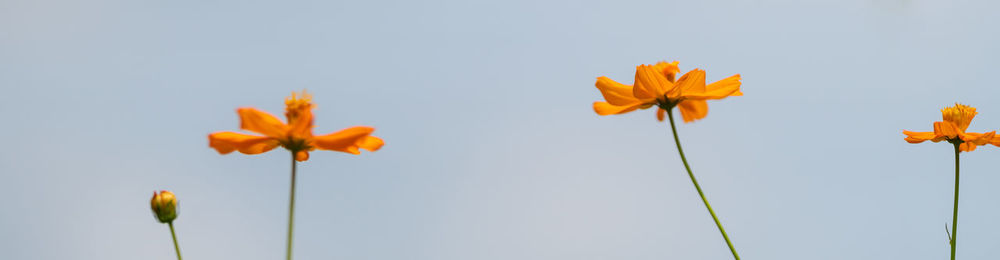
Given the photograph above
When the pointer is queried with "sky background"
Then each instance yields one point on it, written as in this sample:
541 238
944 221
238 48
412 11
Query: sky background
492 148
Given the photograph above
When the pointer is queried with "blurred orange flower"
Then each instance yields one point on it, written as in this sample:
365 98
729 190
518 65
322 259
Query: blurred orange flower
296 135
956 120
655 85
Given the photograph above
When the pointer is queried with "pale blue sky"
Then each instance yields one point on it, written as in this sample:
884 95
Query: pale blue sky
492 149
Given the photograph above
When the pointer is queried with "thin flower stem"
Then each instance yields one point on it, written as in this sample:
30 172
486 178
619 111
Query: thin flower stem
291 211
174 236
954 216
695 182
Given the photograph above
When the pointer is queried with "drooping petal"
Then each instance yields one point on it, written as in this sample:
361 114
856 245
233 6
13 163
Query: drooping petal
917 137
967 147
349 140
692 110
692 82
660 114
604 108
946 129
615 93
261 122
650 83
227 142
720 89
302 156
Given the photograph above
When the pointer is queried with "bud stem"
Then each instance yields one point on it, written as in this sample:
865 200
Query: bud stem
174 236
291 210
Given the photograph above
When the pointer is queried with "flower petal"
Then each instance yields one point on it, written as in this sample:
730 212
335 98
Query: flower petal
995 141
967 147
692 82
261 122
227 142
977 138
918 137
615 93
650 83
302 123
720 89
349 140
371 143
660 114
945 129
669 70
692 110
605 108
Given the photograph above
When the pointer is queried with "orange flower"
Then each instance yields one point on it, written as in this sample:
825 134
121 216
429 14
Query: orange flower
296 135
952 129
655 85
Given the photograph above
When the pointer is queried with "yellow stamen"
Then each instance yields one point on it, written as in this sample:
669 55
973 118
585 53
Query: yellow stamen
959 114
295 104
298 101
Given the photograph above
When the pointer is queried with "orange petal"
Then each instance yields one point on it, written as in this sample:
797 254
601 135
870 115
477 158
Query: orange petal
917 137
986 138
669 70
720 89
371 143
227 142
349 140
946 129
604 108
261 122
615 93
650 83
995 141
692 82
660 114
977 138
301 125
692 110
302 156
967 147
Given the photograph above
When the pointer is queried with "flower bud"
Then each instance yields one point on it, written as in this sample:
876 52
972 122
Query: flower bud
164 206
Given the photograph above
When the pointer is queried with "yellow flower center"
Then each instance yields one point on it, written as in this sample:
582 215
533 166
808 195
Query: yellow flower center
960 115
297 110
296 103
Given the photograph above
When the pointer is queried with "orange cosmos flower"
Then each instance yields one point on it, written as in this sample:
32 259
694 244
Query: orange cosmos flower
296 135
655 85
952 129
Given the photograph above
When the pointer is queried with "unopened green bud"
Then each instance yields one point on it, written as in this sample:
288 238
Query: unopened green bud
164 206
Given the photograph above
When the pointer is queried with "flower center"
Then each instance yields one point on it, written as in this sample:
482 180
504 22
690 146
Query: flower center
295 104
959 114
296 144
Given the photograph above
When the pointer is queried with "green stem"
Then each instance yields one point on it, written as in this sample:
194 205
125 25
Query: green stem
174 236
954 216
700 193
291 211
